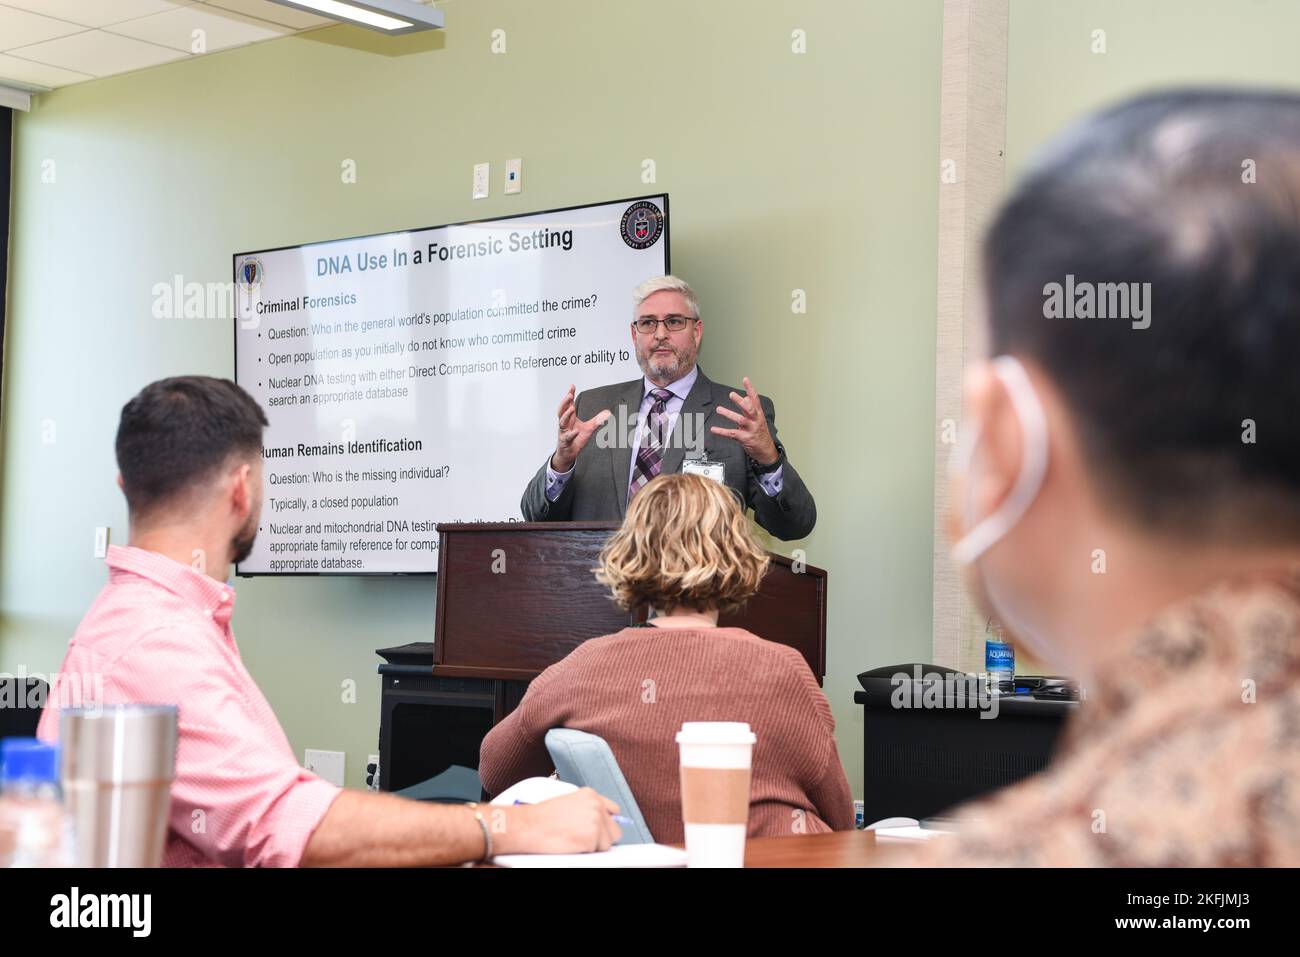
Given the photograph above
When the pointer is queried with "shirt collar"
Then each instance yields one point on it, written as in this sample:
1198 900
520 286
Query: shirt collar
680 389
213 598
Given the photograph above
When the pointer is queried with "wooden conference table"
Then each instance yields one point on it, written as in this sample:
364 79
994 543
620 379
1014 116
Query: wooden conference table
836 849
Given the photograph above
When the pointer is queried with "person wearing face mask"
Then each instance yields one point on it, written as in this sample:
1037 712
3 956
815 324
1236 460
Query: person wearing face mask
614 439
189 451
1127 490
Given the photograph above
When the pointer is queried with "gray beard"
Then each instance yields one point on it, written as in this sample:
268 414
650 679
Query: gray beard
668 370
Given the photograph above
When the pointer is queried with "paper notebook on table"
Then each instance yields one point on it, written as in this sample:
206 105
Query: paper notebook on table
535 790
621 855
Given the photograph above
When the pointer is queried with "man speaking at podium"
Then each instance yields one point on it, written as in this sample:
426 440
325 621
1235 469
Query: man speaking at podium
614 439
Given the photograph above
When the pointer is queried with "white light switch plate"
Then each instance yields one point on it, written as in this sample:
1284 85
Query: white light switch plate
481 173
326 764
514 175
101 541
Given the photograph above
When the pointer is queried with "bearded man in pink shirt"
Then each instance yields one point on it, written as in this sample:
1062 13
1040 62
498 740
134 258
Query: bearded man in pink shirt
189 452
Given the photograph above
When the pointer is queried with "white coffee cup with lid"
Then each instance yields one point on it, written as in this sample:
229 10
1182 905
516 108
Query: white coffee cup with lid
716 760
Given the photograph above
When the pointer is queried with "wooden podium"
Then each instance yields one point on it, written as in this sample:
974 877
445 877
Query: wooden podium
516 597
513 599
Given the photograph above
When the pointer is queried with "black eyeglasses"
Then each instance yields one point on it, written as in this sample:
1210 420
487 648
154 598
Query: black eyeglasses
646 325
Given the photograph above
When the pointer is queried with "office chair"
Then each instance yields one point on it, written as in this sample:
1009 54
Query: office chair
21 701
586 760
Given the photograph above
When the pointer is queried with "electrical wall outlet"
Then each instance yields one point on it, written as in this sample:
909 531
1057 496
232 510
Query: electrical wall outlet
101 541
372 772
859 814
326 764
481 173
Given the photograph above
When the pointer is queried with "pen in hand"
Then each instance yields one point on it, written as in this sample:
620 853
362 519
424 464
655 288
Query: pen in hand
619 819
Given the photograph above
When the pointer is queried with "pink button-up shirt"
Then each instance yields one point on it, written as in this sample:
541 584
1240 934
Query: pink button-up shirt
159 633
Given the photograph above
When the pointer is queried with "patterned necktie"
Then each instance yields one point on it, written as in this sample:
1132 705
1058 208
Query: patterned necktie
650 456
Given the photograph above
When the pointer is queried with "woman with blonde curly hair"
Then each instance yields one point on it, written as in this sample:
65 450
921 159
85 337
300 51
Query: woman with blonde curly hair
684 550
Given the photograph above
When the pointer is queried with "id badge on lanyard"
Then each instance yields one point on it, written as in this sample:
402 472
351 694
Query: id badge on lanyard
702 466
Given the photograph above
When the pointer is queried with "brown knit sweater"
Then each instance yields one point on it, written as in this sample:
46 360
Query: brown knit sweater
635 688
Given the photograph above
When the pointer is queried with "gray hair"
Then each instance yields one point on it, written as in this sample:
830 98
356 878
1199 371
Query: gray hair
670 283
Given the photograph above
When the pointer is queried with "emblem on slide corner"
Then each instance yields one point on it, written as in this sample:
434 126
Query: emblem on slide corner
251 272
643 224
249 275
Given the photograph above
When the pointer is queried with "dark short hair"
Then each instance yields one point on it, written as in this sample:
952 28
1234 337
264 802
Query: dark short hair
177 432
1159 189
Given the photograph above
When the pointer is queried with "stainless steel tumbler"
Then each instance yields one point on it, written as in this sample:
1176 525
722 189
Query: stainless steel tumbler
117 765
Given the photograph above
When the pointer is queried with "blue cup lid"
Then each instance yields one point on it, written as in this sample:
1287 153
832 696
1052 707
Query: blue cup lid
28 759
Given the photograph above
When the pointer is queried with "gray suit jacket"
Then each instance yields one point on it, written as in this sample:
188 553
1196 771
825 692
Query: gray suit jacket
597 490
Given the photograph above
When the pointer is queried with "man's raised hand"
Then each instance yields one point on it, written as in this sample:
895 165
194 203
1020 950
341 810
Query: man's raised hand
751 426
574 433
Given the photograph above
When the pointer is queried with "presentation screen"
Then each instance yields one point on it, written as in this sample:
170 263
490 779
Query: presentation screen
413 377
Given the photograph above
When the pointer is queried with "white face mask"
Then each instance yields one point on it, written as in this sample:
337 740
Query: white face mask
983 535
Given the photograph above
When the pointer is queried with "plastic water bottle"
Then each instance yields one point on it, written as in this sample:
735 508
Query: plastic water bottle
999 662
35 831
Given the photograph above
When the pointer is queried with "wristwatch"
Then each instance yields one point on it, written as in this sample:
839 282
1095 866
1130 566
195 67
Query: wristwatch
764 469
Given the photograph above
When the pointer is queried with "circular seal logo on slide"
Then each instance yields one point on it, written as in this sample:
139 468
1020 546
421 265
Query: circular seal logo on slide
643 224
251 272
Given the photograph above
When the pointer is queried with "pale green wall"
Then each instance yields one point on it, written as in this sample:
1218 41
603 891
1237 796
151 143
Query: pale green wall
786 171
1053 76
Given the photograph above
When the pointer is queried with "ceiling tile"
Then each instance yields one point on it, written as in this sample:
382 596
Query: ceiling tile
95 13
18 28
99 53
176 28
266 10
16 70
